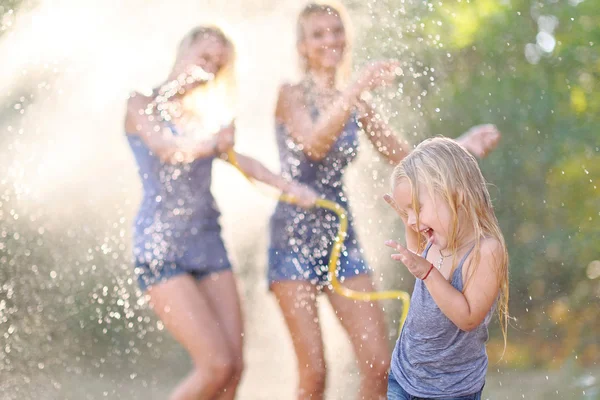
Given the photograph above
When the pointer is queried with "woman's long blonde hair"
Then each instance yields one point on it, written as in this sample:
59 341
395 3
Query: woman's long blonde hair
443 167
219 95
335 8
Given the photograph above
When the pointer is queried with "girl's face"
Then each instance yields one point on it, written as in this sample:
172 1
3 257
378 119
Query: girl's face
324 40
435 215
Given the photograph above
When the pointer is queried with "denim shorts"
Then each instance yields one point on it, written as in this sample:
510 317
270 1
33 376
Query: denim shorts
395 392
148 275
285 265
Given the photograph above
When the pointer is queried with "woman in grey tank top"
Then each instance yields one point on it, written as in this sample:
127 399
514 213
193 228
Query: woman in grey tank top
177 240
462 274
318 123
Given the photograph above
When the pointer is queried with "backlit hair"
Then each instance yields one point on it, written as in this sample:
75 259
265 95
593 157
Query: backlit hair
443 167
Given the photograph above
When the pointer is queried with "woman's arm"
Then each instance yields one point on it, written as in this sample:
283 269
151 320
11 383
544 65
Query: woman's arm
382 136
304 196
256 170
316 138
159 139
480 140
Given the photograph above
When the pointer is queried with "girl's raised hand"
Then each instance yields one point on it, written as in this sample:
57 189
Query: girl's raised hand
390 200
417 265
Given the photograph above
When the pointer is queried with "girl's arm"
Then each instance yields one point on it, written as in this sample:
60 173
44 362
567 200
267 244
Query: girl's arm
159 139
411 237
466 310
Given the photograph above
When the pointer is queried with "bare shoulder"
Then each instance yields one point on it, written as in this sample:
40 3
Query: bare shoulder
289 90
491 253
136 104
491 247
289 97
490 264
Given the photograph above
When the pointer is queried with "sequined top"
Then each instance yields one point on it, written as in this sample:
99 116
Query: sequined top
310 233
178 216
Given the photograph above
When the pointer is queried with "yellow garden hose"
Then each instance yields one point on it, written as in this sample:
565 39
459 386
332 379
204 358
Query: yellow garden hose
336 251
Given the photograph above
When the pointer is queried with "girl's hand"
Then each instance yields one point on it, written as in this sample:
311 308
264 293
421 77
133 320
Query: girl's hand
417 265
480 140
303 195
392 203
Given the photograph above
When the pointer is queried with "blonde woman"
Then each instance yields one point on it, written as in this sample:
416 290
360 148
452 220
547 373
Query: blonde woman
180 259
318 121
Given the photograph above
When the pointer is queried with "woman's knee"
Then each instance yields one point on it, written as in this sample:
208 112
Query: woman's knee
216 369
223 369
313 377
377 366
238 367
215 373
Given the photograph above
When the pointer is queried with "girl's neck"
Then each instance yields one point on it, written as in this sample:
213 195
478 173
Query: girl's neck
463 240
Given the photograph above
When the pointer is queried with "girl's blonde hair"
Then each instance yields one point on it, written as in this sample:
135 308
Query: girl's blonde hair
443 167
336 8
219 94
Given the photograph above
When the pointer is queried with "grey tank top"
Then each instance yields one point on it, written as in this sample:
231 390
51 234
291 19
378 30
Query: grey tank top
433 358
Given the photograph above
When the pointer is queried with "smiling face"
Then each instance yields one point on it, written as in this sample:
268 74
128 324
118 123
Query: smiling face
208 52
425 213
204 49
322 40
443 195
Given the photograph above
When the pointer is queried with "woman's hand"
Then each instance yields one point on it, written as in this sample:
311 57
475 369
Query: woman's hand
378 74
417 265
304 196
224 140
480 140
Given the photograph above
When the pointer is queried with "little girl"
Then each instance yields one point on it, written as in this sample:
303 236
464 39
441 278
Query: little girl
440 194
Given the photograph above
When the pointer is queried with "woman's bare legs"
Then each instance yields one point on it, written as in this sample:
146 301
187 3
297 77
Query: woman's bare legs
298 303
365 323
189 317
222 294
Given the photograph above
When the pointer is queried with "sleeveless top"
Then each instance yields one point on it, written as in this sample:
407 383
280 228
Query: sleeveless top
178 217
310 233
433 357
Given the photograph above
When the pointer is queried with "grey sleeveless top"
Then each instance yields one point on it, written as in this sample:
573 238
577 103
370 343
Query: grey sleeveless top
433 357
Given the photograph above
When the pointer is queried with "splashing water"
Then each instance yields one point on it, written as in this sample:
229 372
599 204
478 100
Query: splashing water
72 321
70 192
